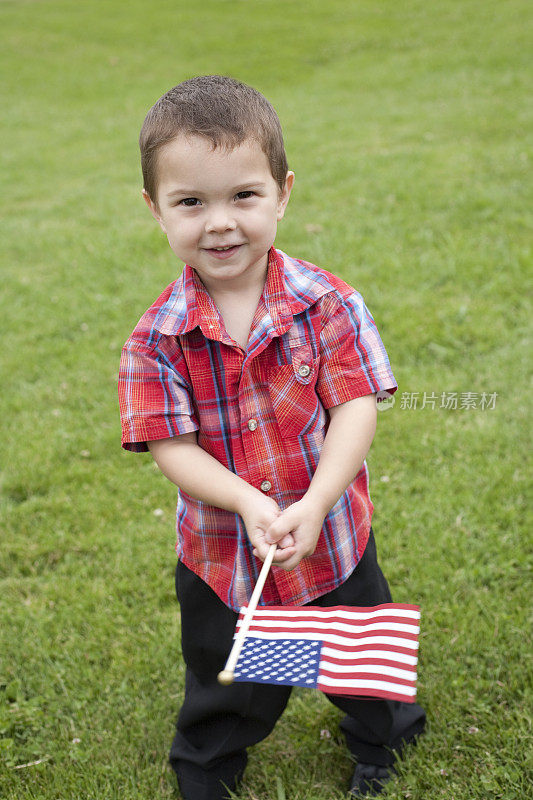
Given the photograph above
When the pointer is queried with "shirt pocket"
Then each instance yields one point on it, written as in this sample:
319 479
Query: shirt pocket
292 389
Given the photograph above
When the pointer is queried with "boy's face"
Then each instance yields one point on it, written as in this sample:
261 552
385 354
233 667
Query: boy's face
219 209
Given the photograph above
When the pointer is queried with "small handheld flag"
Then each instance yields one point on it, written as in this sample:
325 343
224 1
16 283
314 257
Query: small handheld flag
341 650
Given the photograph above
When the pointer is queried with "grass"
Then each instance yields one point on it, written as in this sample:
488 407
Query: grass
407 127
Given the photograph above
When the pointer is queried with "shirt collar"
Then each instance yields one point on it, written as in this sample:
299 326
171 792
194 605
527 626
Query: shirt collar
291 287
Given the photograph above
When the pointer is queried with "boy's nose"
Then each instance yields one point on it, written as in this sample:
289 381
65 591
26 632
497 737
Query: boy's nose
219 220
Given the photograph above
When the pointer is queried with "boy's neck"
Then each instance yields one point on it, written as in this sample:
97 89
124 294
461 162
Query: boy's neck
237 303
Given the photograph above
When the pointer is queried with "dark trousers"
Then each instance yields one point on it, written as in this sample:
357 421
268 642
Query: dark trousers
217 723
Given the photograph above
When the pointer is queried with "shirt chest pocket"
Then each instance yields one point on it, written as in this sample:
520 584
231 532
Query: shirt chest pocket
292 390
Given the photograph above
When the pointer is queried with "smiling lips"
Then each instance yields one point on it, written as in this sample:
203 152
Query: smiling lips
223 252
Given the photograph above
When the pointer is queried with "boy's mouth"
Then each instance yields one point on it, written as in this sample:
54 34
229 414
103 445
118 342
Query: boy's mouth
223 252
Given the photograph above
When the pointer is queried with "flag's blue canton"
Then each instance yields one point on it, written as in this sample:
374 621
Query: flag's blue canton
289 662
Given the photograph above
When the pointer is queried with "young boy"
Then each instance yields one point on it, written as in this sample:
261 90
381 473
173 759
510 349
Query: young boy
252 380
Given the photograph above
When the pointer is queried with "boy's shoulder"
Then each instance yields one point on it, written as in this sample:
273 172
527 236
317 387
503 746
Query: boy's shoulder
170 313
306 282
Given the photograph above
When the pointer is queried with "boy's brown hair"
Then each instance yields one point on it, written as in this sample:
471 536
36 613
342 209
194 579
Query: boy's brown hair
223 110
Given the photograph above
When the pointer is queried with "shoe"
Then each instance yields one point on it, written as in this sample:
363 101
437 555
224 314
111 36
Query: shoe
369 780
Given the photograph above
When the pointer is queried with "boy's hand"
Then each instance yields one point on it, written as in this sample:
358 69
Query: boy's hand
258 513
303 522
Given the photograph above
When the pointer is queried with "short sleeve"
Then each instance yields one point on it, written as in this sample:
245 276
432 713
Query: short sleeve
353 359
155 395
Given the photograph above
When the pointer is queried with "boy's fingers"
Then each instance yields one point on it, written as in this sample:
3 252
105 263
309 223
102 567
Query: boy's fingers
287 541
278 529
260 552
281 556
291 562
262 545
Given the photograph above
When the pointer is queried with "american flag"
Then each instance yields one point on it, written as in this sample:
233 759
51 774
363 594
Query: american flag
340 650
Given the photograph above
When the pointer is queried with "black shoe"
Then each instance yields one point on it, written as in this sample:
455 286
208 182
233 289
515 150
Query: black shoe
369 779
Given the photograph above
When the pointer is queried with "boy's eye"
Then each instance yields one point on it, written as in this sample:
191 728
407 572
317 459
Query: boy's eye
189 202
244 195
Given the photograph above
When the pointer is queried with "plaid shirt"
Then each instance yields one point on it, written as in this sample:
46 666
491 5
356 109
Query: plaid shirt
261 412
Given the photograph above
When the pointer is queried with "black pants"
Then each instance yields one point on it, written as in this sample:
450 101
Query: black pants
217 723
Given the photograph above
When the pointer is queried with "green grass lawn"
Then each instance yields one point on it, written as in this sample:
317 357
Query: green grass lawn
407 126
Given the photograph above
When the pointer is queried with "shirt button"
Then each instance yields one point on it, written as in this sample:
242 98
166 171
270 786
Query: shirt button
304 370
252 424
266 486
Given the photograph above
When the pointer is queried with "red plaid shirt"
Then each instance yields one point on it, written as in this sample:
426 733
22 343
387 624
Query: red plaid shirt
261 412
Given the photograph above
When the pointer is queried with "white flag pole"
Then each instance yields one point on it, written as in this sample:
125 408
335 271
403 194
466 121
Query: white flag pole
225 677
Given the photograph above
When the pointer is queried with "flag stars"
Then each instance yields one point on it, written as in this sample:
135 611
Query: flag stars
290 662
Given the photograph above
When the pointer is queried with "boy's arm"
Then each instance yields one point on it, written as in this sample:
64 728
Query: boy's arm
350 433
200 475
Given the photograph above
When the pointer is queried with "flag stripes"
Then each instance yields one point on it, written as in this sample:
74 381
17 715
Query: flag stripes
364 651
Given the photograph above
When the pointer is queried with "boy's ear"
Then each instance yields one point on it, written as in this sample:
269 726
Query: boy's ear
285 194
153 209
